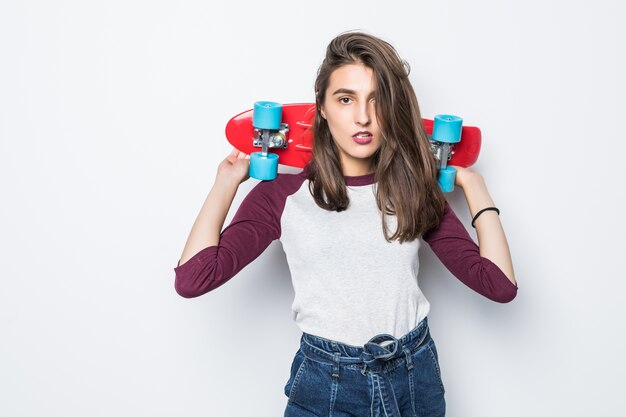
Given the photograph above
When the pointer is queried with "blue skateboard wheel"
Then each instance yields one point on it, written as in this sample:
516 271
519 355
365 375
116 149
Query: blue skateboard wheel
446 179
267 115
447 128
263 167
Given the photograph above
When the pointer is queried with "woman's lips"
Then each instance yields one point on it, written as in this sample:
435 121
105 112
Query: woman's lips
362 138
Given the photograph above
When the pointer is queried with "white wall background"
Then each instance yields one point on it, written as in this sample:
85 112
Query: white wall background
111 128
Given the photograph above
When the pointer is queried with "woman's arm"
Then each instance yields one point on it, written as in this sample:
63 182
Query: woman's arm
491 239
205 231
211 258
208 225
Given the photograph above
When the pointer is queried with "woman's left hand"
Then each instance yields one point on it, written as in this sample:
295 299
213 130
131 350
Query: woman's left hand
464 176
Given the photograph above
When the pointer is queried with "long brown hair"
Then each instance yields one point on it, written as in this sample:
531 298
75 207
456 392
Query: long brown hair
405 172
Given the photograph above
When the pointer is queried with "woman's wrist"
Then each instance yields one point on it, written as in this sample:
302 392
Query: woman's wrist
476 194
225 182
471 179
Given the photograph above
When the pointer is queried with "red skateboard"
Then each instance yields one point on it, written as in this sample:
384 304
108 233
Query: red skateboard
286 130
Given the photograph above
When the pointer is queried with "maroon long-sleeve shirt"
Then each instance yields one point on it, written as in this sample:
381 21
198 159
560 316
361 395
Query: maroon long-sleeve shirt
349 282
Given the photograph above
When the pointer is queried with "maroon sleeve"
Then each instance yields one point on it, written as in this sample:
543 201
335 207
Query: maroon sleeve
253 227
453 245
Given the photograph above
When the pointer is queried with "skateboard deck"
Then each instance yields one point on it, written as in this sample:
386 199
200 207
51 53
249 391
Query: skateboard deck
299 118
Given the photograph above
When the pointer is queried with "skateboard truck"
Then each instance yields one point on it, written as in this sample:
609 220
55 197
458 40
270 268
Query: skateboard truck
269 133
273 139
446 133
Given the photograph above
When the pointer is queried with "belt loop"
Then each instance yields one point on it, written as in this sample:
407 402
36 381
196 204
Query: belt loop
336 364
409 362
364 369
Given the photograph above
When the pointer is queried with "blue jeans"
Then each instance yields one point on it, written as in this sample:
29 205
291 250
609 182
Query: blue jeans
397 379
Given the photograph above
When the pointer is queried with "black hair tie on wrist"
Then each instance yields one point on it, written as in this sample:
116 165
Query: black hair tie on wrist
480 212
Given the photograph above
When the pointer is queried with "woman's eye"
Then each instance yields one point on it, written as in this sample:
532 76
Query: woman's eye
345 100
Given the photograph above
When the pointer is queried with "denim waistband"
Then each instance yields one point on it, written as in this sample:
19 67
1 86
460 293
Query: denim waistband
374 353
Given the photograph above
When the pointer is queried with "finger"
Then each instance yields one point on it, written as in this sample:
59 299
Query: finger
232 155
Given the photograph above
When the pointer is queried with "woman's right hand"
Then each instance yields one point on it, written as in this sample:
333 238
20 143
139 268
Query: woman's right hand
235 167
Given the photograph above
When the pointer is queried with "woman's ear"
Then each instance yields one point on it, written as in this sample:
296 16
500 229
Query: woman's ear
322 113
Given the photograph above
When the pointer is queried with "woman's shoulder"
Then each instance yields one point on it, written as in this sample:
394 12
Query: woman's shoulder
283 185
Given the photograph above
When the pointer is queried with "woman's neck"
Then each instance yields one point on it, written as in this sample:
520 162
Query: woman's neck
357 171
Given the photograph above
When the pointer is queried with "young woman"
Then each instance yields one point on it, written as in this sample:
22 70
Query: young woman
351 224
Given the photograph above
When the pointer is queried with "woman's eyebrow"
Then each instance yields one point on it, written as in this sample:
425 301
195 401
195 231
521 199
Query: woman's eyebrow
348 91
344 91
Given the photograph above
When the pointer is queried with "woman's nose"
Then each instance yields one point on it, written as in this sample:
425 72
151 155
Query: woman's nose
362 116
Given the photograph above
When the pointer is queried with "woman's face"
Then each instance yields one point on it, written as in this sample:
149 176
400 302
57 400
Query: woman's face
349 109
